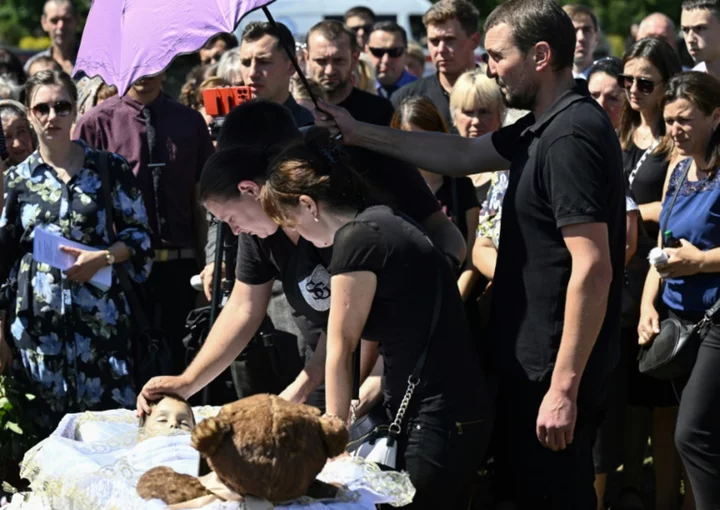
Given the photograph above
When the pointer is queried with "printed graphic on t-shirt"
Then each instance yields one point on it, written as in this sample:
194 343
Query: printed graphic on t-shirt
316 289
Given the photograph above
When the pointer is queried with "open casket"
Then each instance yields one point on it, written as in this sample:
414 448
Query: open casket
94 461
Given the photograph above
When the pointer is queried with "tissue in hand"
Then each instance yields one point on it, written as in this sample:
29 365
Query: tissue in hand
658 256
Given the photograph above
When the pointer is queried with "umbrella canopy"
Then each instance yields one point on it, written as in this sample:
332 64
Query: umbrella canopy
125 40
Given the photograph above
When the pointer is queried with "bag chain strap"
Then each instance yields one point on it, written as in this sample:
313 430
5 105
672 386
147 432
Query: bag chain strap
395 426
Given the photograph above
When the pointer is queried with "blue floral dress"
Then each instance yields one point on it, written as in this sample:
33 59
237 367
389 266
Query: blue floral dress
71 340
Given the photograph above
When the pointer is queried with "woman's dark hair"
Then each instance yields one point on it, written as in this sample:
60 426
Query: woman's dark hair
48 77
225 169
420 112
612 66
259 123
703 91
11 66
315 167
665 59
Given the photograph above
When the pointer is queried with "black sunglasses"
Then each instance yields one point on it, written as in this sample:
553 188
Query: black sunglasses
366 28
393 52
61 108
644 85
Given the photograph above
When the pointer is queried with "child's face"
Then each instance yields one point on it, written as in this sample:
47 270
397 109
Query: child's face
170 414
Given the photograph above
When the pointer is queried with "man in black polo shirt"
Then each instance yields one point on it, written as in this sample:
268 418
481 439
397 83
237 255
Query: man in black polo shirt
452 35
331 55
558 282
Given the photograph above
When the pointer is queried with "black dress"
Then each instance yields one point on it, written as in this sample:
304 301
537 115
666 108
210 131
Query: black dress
646 187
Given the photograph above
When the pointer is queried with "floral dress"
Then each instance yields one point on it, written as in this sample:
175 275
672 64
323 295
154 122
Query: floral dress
71 341
491 210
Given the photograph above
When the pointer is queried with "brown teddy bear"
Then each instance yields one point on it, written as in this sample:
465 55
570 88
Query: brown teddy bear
262 446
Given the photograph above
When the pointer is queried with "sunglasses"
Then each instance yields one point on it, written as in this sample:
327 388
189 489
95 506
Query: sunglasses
644 85
61 109
381 52
366 28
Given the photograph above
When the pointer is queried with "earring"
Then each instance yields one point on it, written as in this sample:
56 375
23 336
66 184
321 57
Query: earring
316 219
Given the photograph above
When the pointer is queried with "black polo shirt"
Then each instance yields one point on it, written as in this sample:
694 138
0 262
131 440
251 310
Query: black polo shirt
429 87
566 169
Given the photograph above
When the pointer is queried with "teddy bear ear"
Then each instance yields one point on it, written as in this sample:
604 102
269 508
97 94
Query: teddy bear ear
209 434
335 435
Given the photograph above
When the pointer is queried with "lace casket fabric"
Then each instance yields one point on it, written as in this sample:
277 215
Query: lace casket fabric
94 460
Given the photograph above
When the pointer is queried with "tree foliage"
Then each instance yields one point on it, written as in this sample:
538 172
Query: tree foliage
21 18
616 16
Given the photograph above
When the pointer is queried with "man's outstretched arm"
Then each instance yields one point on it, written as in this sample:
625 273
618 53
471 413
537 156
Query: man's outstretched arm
435 152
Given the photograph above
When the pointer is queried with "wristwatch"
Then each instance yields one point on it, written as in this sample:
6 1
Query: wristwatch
109 258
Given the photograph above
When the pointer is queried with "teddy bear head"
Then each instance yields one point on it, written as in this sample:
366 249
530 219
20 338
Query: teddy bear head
269 448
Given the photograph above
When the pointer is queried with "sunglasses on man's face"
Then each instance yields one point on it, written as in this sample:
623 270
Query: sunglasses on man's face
61 109
644 85
365 28
393 52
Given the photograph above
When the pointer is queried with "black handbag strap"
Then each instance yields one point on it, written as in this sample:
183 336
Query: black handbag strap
123 277
663 226
420 364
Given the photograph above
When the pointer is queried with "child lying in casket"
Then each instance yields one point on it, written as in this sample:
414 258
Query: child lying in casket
170 413
96 460
100 456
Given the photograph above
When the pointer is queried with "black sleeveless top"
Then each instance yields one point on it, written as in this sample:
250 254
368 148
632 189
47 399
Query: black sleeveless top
647 186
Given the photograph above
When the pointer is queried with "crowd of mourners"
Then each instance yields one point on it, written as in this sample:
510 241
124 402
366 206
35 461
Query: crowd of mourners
492 216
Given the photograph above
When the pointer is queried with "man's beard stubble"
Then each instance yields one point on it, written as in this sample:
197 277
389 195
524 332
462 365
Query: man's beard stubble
524 99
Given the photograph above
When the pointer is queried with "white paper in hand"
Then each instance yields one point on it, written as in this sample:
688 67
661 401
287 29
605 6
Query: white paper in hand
46 250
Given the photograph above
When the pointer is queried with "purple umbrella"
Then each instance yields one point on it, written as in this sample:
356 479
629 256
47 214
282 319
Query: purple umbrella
125 40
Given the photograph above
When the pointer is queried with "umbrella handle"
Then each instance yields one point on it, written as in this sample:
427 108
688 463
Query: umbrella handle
301 75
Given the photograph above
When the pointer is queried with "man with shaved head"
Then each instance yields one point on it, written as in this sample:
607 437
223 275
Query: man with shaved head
60 21
658 24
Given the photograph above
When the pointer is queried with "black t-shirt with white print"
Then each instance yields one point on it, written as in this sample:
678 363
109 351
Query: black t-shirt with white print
302 268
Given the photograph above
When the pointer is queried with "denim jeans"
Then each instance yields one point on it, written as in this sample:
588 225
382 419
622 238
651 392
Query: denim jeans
442 456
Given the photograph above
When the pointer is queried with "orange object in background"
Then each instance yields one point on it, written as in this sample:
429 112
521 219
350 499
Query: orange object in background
219 101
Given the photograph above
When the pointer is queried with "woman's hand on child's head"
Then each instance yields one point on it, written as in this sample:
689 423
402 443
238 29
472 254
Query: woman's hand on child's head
159 386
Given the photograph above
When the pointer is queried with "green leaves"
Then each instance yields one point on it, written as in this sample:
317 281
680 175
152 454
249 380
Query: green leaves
616 16
21 18
16 430
13 427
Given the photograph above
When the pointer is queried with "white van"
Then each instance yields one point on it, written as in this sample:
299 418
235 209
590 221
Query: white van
300 15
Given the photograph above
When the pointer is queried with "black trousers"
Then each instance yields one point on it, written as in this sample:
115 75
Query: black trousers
697 434
442 456
531 475
171 298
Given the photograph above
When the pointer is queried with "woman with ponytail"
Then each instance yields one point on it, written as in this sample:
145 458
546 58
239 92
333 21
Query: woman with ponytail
388 282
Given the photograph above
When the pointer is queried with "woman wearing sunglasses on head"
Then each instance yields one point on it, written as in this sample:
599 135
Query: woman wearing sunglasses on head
689 283
390 285
647 67
69 337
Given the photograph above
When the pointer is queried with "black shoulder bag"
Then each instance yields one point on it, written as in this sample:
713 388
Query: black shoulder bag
149 348
371 437
674 350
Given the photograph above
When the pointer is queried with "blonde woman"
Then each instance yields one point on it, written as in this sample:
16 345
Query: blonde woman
364 75
477 107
